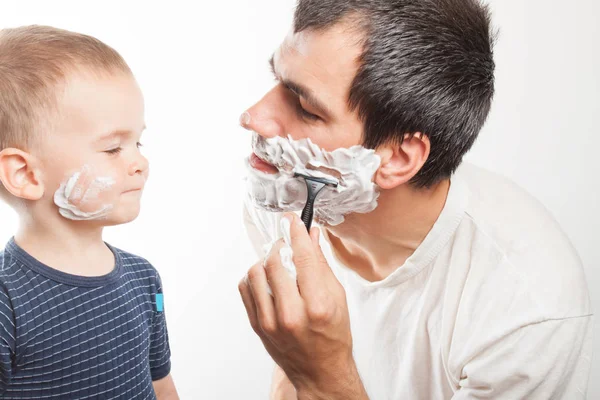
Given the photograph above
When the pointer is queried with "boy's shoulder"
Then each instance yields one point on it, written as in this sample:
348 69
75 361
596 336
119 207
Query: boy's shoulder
130 258
136 264
11 276
10 269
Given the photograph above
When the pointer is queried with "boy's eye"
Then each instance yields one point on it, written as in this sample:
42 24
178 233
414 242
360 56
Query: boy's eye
116 150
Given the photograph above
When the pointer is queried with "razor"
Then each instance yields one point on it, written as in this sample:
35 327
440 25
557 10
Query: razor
313 187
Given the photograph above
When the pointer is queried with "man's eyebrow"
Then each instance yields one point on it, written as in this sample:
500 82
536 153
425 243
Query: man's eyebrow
307 95
301 91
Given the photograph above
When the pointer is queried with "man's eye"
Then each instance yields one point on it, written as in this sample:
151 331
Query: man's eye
116 150
305 114
301 111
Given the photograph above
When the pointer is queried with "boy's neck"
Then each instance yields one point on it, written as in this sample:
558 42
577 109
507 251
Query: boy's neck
73 247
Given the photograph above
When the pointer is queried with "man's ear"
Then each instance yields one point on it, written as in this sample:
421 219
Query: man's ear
401 162
20 174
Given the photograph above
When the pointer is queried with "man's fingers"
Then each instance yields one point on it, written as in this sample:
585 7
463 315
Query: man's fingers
265 308
282 280
315 235
281 272
248 300
301 242
308 267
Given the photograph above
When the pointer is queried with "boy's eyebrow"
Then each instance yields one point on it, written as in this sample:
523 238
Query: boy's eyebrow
301 91
118 132
272 65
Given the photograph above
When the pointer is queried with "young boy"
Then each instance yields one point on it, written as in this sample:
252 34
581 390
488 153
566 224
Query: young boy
79 319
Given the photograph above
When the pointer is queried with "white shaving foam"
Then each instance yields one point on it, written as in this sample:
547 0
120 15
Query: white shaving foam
282 192
285 253
68 188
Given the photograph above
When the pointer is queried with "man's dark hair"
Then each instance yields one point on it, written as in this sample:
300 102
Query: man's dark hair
427 66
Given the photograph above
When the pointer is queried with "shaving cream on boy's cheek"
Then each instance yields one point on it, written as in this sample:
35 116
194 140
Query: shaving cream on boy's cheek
354 169
85 196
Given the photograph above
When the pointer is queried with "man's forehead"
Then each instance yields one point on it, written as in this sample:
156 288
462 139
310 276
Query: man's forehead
327 57
337 44
296 41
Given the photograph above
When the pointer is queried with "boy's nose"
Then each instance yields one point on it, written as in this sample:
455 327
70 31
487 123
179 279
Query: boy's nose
139 166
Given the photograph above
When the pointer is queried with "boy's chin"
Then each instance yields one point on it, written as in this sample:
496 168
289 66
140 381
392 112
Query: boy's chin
120 217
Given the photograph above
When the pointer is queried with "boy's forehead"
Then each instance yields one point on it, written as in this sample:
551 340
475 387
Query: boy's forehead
99 104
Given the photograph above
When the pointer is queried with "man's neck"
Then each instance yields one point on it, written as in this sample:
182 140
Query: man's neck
73 247
376 244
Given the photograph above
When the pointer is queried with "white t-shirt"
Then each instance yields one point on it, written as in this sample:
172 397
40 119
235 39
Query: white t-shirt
492 305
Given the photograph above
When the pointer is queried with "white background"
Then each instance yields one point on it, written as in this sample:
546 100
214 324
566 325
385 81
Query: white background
200 64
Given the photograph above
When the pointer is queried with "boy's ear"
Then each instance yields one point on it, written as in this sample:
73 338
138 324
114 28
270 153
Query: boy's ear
401 162
20 175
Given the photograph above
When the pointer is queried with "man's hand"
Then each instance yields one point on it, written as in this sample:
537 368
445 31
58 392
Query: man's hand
305 325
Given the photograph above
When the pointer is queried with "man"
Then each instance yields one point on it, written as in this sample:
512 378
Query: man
457 284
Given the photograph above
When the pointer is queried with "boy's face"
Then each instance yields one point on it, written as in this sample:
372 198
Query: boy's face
92 165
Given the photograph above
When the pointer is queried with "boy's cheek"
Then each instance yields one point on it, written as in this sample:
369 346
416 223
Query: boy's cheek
97 198
89 193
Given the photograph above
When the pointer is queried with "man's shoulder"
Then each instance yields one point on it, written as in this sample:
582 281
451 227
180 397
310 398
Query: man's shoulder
513 276
512 218
496 199
519 252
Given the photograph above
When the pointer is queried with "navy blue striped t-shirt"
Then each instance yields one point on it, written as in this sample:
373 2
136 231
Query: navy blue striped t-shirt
64 336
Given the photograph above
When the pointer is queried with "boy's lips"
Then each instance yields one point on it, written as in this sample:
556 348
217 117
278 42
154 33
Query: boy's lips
133 190
259 164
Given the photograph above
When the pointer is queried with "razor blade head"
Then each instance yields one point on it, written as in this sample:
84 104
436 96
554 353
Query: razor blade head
330 182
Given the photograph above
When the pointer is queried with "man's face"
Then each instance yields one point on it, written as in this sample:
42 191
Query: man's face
309 104
96 139
314 71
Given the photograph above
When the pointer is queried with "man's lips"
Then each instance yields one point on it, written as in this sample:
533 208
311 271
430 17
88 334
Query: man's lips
261 165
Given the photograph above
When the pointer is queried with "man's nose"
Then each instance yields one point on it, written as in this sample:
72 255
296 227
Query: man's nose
265 117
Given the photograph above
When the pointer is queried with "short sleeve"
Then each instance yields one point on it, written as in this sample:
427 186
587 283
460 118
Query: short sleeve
160 352
546 360
7 339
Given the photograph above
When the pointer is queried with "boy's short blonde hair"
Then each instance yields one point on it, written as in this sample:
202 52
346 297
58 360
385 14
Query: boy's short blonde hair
34 61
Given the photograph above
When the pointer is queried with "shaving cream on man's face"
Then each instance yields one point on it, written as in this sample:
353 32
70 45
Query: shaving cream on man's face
353 168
